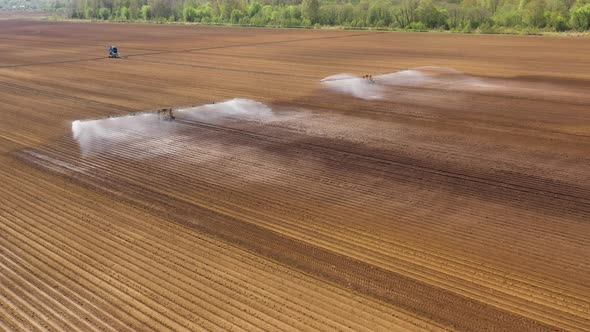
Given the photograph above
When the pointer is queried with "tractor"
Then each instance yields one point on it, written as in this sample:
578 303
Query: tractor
113 52
166 114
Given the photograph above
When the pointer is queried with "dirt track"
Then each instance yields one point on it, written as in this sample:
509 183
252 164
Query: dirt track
460 203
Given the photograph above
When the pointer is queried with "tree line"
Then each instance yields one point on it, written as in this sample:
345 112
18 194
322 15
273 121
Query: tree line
486 16
13 5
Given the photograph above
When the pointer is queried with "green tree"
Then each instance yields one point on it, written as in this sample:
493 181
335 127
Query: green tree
124 13
556 21
379 14
310 10
166 8
534 13
134 8
406 14
580 18
328 15
145 12
346 13
507 15
254 8
455 16
104 13
236 15
429 15
189 14
491 5
295 12
204 13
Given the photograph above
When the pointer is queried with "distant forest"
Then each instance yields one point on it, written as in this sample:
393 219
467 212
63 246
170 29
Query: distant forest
485 16
27 5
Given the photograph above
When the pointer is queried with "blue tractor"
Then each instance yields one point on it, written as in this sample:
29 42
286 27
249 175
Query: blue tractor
113 52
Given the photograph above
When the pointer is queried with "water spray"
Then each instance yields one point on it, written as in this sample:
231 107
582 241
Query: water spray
95 135
376 86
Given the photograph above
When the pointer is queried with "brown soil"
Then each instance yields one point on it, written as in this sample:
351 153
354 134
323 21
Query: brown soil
439 207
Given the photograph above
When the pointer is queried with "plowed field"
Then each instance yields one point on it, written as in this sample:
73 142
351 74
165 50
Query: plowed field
451 192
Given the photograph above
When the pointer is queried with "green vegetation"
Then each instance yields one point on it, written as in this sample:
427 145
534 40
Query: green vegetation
485 16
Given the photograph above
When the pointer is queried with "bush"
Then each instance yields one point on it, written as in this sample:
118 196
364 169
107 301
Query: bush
534 14
104 14
245 21
254 8
259 21
507 16
203 12
145 12
557 22
466 28
580 19
189 14
487 28
236 16
418 26
310 9
124 14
